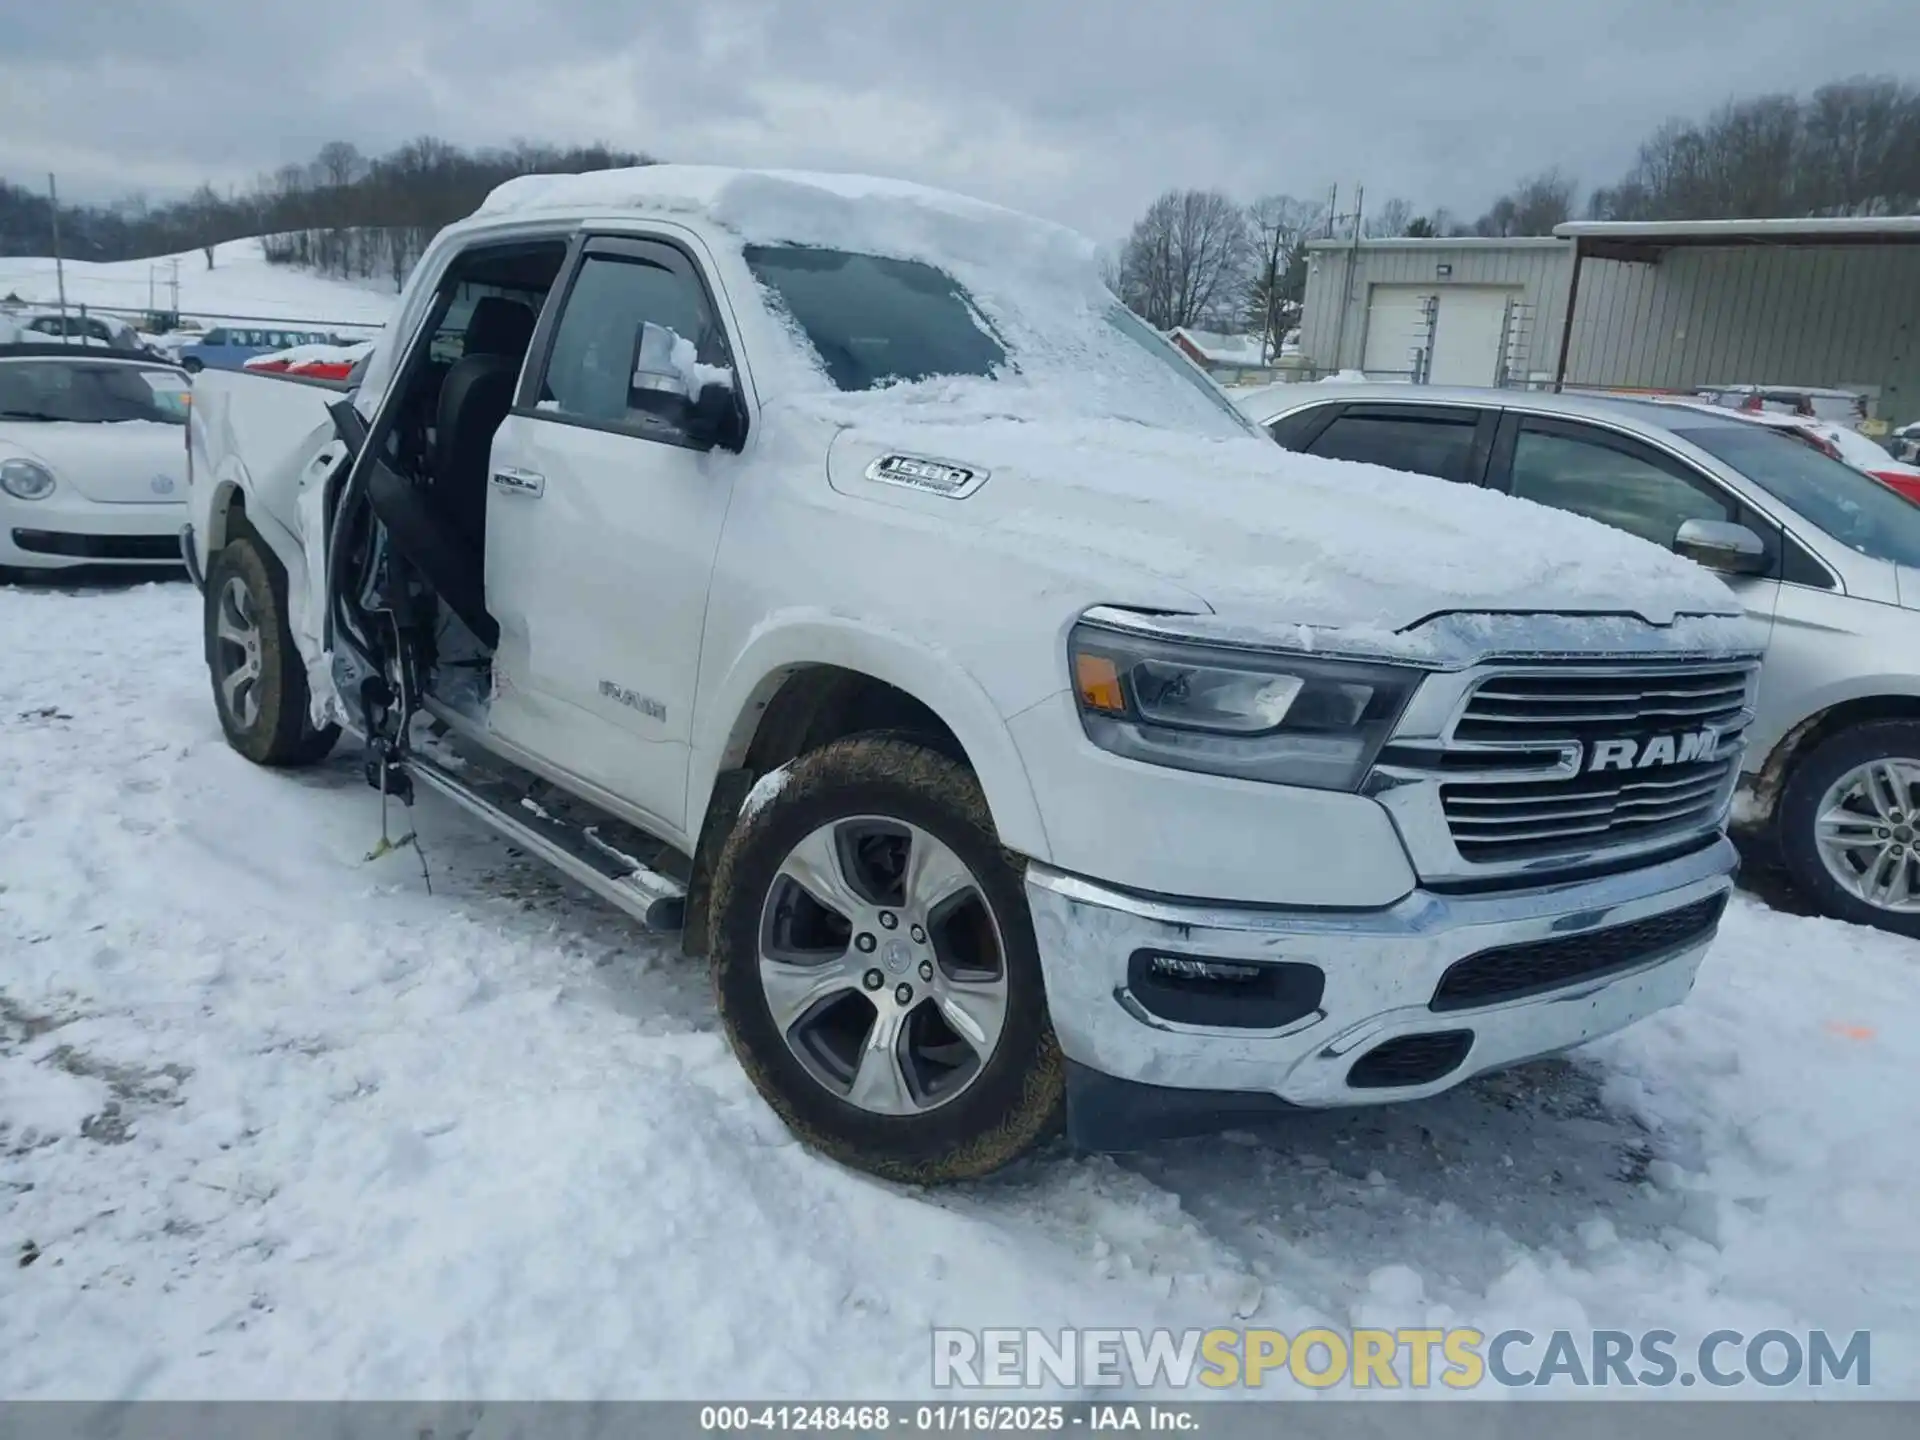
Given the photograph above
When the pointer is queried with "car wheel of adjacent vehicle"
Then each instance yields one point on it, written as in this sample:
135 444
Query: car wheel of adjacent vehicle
259 682
876 968
1849 822
192 365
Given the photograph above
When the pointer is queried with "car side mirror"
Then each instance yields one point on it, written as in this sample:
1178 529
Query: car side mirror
715 420
1720 545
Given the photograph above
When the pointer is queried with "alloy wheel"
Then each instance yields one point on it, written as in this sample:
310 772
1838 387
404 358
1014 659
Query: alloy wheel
237 658
882 965
1865 829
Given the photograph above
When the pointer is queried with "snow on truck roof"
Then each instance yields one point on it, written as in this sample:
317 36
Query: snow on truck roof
867 213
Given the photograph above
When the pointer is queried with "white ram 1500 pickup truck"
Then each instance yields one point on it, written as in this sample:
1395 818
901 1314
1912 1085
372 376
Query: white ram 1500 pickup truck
832 570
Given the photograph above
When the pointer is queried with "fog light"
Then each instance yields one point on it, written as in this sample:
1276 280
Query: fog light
1223 994
1185 967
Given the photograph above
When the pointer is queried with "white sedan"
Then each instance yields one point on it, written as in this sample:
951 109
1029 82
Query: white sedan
93 458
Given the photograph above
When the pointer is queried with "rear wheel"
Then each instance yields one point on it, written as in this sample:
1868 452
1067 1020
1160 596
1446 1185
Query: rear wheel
876 967
192 365
259 682
1849 825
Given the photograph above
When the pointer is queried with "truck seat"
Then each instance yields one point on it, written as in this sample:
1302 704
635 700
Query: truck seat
474 399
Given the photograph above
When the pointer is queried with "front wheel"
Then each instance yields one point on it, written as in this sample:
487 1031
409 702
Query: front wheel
1849 822
876 967
193 365
259 683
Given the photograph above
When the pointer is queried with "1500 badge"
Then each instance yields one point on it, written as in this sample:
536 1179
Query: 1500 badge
916 472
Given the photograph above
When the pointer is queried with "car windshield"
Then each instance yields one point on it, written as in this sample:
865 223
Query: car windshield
874 321
54 390
1854 508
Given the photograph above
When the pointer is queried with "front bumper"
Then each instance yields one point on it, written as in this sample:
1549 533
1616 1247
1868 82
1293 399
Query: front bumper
1382 972
190 557
65 531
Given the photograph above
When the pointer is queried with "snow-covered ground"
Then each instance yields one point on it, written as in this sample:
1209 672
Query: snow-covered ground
241 283
277 1120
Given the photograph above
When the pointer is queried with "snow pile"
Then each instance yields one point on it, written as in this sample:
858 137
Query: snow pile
1264 535
863 213
1104 441
312 354
664 353
278 1122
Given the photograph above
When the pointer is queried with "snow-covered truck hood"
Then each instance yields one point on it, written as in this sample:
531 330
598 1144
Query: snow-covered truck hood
1267 540
140 462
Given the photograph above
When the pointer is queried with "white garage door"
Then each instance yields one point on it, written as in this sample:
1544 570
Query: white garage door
1396 329
1468 336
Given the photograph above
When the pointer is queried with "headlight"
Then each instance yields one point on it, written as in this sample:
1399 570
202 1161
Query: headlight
25 480
1285 719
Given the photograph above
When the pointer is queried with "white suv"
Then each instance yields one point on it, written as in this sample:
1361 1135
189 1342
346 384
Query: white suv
834 570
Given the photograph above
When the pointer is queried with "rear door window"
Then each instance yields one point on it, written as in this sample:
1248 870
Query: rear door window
1424 443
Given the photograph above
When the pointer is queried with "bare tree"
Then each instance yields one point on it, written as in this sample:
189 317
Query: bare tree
1533 207
338 164
1186 260
1852 148
1280 225
1391 218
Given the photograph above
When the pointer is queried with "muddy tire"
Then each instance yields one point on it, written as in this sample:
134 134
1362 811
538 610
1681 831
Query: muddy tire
1848 825
259 682
875 965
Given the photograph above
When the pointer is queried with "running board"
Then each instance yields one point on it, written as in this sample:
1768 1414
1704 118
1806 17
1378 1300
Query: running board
595 855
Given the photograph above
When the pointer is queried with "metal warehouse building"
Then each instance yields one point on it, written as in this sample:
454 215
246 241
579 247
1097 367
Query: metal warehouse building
1658 306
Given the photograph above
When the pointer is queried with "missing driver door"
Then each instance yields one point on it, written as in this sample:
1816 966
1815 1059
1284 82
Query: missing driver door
603 518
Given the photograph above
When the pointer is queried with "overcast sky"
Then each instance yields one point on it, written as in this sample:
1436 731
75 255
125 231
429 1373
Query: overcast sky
1081 110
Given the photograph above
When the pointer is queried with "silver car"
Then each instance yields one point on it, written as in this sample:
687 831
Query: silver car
1825 557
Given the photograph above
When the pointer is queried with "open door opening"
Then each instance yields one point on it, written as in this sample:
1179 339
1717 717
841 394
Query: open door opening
409 547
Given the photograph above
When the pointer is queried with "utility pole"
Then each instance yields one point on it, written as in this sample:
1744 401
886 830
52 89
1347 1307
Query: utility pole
1352 266
59 270
176 285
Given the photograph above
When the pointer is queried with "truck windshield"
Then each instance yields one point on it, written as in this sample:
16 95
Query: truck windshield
1057 351
91 393
1854 508
875 321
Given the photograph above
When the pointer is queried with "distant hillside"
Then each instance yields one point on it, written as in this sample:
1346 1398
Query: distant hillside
406 196
242 286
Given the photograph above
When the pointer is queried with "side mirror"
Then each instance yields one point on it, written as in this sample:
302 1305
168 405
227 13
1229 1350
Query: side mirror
715 419
669 382
1718 545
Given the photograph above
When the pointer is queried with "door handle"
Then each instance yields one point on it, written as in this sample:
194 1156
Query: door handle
520 482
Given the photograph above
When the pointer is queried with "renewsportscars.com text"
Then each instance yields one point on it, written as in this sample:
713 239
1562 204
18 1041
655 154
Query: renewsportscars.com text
1380 1359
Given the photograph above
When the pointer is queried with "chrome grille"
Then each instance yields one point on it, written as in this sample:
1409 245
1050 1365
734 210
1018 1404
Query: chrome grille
1531 740
1530 708
1541 817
